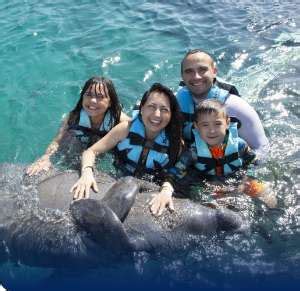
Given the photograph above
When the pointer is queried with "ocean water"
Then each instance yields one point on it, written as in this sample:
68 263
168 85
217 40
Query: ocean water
48 49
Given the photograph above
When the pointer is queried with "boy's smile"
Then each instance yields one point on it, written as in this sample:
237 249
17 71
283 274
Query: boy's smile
212 127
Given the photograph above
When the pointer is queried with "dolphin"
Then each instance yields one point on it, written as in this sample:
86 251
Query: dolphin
41 225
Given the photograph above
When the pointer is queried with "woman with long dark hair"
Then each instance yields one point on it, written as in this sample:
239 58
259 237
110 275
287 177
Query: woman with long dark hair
97 111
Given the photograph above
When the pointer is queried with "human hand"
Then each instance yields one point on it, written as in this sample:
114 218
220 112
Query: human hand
81 189
268 196
260 190
160 201
42 164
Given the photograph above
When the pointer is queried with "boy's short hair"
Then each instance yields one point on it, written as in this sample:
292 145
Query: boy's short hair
209 106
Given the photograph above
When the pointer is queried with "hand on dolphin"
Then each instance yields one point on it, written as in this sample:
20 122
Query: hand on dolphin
162 200
81 189
42 164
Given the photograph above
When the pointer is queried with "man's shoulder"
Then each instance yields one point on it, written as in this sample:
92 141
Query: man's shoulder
238 106
233 97
235 100
227 86
183 91
184 98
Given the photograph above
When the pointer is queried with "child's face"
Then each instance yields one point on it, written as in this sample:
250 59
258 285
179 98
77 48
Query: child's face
212 127
95 100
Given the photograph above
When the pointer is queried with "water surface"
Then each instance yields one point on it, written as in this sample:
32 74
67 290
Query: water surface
49 48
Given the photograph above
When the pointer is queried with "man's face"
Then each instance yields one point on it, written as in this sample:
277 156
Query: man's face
198 73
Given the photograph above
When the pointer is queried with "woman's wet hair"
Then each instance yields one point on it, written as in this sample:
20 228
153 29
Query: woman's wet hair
174 127
110 91
210 106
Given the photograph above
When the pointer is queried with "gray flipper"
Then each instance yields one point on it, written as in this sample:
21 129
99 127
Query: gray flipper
121 196
101 223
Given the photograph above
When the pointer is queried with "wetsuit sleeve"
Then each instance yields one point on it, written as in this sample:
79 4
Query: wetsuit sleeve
251 129
187 159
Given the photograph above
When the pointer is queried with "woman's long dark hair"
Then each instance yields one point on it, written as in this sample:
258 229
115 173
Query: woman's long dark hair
174 127
109 89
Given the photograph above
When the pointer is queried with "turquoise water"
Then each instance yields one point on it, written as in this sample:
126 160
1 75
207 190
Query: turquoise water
49 48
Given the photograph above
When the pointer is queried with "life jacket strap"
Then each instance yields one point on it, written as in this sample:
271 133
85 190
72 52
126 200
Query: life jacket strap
136 139
123 162
87 130
211 163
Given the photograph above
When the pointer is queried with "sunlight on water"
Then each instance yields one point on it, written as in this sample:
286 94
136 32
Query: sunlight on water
48 50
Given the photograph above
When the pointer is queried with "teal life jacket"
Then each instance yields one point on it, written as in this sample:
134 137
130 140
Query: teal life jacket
232 160
129 151
187 105
84 131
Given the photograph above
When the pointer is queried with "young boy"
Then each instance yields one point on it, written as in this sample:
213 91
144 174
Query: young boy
216 153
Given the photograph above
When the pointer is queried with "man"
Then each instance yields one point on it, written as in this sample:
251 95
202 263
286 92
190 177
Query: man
198 71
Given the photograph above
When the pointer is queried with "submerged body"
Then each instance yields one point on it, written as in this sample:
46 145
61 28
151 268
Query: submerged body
114 223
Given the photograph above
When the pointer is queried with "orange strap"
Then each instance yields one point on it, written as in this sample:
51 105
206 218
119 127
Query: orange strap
217 152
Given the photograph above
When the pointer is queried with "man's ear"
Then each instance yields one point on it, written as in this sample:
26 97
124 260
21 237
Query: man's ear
228 122
215 70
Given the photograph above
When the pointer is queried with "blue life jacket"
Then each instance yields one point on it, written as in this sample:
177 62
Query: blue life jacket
129 151
232 159
187 105
83 129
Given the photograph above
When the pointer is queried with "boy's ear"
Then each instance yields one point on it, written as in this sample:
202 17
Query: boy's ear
195 124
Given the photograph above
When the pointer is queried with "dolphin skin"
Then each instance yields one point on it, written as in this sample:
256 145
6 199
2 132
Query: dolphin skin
40 224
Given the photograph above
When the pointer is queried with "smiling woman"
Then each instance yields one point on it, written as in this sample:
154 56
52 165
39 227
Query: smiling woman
97 111
146 145
156 113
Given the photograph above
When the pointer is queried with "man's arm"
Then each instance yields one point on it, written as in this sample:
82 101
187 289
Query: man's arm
251 129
